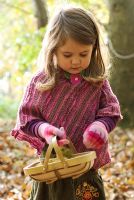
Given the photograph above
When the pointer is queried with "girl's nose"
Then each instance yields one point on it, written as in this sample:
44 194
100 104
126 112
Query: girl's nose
76 61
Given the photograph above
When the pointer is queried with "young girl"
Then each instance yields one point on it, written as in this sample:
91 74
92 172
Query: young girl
71 97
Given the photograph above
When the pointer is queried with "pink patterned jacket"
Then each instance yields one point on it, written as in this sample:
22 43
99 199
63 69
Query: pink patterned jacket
72 106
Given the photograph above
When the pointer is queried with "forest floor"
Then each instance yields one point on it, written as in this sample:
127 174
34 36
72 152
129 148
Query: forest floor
118 176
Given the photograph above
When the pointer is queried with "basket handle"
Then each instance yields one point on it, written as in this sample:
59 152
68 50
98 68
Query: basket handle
59 154
71 145
47 157
58 151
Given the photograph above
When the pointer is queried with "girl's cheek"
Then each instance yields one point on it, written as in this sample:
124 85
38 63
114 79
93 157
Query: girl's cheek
68 64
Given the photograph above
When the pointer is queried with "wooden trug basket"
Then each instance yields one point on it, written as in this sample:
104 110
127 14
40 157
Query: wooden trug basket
60 167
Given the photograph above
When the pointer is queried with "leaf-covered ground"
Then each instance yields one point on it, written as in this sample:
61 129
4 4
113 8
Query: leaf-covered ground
118 176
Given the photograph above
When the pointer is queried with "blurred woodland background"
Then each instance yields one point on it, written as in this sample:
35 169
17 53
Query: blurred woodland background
22 27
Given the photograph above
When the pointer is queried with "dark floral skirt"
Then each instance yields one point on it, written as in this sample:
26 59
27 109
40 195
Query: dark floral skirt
87 187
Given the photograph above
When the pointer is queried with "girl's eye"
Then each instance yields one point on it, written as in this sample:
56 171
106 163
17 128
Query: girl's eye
67 56
83 55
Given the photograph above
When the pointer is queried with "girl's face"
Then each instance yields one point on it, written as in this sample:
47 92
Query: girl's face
73 56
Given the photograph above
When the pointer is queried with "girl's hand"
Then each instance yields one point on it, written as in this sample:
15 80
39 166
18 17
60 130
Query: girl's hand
48 131
95 135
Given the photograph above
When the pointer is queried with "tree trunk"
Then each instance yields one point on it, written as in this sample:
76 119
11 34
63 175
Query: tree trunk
41 13
121 43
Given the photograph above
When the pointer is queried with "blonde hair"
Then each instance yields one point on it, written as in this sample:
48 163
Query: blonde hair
78 24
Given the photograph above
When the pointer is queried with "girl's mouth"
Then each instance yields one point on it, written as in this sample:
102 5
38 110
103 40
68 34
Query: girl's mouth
75 68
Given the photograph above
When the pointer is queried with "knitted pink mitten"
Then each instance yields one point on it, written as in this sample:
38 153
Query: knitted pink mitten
95 135
48 131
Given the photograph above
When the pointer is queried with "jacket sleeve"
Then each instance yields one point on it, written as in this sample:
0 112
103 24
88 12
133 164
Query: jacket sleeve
109 104
29 110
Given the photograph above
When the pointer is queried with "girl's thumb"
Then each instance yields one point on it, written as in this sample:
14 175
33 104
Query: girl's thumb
62 129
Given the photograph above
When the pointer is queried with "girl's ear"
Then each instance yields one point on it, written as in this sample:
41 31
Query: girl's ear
55 61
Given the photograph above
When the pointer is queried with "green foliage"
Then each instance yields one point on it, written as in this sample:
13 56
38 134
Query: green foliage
66 151
21 43
28 46
84 3
8 107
